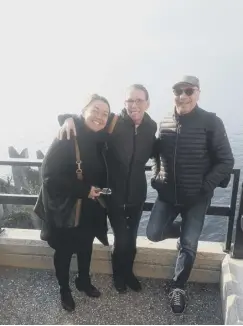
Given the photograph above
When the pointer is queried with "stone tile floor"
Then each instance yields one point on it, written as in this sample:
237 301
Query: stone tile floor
32 297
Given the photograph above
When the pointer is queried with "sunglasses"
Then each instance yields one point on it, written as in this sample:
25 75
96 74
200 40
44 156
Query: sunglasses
188 91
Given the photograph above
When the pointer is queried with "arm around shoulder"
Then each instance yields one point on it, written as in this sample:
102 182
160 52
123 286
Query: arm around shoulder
63 117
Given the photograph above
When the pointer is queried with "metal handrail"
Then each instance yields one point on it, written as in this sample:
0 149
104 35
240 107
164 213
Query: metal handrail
21 162
237 251
219 211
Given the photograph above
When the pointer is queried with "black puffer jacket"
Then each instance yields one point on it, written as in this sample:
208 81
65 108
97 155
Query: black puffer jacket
61 187
193 156
129 149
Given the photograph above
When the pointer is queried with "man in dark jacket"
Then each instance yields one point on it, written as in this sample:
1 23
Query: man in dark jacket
194 157
129 148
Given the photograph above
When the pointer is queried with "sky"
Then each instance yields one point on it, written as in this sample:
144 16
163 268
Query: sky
53 54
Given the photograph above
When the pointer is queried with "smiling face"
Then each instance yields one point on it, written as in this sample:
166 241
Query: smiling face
186 98
136 104
96 115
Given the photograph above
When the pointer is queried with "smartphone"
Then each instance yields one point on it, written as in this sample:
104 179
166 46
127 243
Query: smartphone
105 191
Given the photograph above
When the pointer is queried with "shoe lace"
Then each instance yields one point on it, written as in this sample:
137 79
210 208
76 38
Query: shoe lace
176 296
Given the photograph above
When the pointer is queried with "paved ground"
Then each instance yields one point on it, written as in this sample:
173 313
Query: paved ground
32 297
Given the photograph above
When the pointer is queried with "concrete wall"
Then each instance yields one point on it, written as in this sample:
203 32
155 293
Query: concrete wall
23 248
231 287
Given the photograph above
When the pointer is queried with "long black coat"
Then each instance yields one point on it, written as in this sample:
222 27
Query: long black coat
61 188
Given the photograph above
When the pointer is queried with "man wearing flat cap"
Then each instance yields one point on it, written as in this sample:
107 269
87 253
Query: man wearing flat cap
193 158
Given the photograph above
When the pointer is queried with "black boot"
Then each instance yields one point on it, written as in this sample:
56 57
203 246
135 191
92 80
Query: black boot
133 282
119 283
86 286
67 299
118 278
130 278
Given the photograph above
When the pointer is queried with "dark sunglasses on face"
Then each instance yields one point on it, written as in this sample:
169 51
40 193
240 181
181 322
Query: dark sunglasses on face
188 91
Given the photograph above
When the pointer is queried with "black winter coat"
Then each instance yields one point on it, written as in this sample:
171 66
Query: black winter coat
193 156
129 149
61 188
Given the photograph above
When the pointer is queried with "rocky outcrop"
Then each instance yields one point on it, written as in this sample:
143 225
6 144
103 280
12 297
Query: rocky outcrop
24 180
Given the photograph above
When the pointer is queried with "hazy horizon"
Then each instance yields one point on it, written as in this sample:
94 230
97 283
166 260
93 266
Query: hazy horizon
54 53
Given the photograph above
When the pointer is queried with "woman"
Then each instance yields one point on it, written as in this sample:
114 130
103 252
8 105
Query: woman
65 182
129 148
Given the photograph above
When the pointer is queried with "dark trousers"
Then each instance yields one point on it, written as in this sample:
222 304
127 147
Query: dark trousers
161 219
125 223
63 255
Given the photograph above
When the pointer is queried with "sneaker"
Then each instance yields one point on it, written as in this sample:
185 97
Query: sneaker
177 300
133 283
119 284
67 300
88 288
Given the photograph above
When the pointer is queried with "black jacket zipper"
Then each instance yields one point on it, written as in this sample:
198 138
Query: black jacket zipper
130 166
104 202
105 148
175 153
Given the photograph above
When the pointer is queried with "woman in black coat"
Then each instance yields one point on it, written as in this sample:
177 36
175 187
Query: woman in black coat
65 182
129 148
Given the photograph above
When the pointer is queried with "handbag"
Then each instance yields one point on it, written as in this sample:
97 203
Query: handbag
39 207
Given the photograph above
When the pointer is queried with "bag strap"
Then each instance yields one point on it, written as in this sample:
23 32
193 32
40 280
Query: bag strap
79 173
113 124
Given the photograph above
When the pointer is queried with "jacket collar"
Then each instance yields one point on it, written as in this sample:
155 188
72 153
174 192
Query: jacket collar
125 116
187 115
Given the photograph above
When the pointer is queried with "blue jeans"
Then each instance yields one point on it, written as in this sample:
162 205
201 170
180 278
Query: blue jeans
161 219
